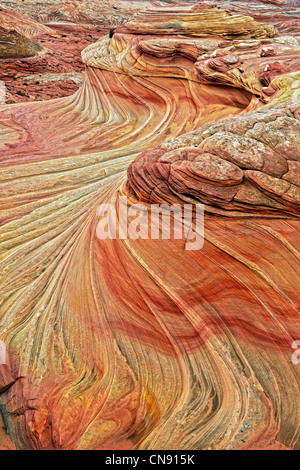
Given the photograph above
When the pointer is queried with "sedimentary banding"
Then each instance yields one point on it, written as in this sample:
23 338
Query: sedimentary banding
23 24
141 344
197 21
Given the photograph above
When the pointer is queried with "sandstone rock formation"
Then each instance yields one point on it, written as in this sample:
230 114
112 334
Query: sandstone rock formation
23 24
50 66
137 343
197 21
102 12
16 33
55 73
14 45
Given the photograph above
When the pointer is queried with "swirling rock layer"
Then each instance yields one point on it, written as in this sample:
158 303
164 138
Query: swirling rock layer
141 344
197 21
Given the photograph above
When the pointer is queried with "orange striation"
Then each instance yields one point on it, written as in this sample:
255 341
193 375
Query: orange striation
141 344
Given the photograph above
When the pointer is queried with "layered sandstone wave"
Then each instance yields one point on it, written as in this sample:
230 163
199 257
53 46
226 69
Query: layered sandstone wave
197 21
141 344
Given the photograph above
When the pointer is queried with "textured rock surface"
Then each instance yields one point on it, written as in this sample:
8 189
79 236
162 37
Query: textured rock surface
57 72
16 33
100 12
14 44
23 24
141 344
241 167
197 21
50 64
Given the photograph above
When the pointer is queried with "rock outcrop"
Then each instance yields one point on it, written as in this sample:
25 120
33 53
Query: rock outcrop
48 66
239 167
16 33
135 343
107 13
13 44
23 24
197 21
